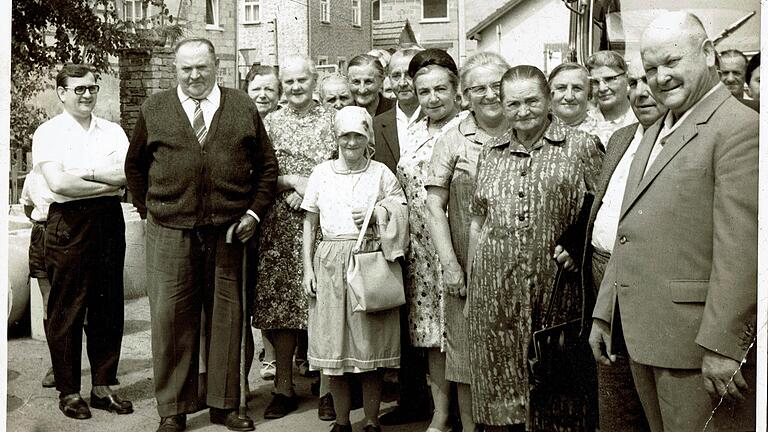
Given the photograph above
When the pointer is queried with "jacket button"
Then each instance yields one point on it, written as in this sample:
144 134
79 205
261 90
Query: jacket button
622 239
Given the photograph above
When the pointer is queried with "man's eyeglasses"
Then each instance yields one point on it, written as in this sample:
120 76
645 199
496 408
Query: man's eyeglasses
609 80
80 90
482 90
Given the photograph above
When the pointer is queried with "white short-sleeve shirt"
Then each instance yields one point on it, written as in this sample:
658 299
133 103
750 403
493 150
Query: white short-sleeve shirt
62 139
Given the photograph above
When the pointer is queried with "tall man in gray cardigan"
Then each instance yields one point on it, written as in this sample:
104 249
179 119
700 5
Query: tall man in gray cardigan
199 162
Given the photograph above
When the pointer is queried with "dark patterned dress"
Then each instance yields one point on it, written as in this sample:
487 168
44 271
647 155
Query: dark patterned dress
301 141
423 277
454 168
529 197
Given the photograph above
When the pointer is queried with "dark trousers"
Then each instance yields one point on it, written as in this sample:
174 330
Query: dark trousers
619 403
189 270
415 394
84 257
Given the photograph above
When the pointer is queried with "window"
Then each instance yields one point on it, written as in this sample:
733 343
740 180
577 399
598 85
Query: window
251 11
356 13
212 13
376 10
325 11
132 10
434 10
322 60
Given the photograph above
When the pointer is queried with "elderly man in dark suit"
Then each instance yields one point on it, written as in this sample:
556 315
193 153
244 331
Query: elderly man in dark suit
620 408
390 128
199 162
681 283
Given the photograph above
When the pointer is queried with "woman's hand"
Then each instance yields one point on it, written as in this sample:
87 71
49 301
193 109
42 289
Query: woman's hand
564 258
310 283
453 277
294 200
358 215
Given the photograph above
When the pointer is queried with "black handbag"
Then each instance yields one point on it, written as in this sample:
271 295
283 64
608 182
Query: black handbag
559 358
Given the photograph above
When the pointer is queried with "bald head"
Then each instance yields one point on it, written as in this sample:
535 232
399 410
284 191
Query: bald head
679 60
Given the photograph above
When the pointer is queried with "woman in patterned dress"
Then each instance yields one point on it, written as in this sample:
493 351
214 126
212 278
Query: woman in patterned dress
302 134
529 189
436 83
450 185
343 342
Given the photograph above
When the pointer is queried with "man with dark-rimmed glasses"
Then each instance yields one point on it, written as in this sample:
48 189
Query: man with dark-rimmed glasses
81 158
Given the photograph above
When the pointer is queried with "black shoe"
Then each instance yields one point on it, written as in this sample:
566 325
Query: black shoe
371 428
341 428
112 403
48 380
325 410
280 406
73 406
400 416
230 419
174 423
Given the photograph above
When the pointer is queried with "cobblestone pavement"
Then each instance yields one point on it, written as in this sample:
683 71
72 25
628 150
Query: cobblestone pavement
32 408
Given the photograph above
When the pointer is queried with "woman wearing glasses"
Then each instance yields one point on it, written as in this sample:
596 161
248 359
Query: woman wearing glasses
450 184
610 87
529 189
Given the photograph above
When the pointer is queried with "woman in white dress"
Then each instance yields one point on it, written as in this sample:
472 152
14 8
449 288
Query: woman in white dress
342 342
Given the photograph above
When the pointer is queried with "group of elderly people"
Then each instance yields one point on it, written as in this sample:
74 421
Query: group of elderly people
493 192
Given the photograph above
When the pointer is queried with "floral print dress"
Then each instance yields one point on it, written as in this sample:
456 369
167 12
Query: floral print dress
529 197
423 276
301 140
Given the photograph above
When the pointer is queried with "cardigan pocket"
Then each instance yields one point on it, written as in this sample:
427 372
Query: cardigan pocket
688 291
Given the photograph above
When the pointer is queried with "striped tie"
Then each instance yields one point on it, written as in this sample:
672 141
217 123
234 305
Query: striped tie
198 124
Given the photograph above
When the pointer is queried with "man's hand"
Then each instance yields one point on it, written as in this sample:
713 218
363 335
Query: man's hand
294 200
564 258
310 283
600 342
717 371
246 228
453 277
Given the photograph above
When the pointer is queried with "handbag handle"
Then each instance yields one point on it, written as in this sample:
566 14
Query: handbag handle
366 221
559 281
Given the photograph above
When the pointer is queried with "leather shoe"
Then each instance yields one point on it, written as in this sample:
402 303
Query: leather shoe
371 428
325 410
400 416
280 406
112 403
231 420
174 423
73 406
341 428
49 381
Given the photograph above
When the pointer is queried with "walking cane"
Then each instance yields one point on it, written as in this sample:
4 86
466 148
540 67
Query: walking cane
242 412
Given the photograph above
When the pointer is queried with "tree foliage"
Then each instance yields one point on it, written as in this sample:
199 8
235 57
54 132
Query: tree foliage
46 33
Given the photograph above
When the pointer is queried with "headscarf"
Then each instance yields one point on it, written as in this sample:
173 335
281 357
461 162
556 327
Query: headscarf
355 119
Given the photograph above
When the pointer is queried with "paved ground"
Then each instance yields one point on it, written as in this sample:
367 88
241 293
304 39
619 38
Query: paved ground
32 408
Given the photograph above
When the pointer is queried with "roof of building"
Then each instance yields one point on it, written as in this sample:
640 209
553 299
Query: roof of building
490 19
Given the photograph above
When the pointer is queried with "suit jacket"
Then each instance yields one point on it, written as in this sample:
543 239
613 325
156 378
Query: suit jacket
684 266
617 146
387 141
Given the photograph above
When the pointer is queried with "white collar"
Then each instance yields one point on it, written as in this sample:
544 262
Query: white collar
95 121
399 113
213 97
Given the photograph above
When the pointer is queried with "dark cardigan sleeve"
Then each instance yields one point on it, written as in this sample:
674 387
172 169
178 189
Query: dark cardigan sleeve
137 166
265 171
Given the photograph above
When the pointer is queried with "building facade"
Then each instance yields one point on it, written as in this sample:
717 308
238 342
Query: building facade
331 32
435 23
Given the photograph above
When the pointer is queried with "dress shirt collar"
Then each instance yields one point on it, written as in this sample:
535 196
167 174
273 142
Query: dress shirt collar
555 134
598 115
670 124
400 114
214 97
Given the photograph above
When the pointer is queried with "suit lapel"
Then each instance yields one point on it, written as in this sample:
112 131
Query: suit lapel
618 145
685 133
389 131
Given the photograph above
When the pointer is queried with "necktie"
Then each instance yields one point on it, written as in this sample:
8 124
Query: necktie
198 124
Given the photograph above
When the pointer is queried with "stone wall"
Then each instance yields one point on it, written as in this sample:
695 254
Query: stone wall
143 72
